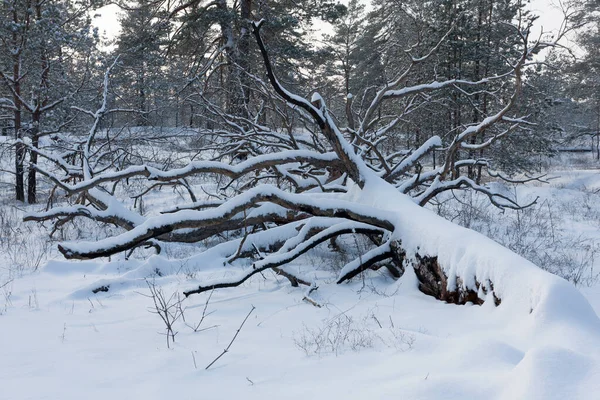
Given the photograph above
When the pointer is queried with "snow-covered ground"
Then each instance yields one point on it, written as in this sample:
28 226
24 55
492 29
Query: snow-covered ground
374 338
58 343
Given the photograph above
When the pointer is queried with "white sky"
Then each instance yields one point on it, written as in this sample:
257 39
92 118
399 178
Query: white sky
550 17
107 21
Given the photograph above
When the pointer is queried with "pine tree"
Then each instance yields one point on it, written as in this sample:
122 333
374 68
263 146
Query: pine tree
344 50
141 50
45 50
223 30
586 87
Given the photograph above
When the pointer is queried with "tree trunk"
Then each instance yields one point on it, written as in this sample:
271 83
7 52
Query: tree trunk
19 148
141 120
433 281
19 154
40 102
31 173
237 50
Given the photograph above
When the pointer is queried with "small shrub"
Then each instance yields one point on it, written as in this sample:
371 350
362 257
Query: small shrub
343 332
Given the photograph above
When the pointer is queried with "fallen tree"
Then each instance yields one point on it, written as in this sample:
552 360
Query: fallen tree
292 194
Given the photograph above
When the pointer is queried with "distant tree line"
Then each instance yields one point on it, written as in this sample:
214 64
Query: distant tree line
194 64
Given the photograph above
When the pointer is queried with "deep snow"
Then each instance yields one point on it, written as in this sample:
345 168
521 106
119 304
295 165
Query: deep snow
59 344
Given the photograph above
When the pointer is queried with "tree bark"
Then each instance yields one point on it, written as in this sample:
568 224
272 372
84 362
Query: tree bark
433 281
19 148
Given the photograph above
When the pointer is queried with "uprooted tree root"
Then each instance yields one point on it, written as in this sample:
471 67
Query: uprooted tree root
433 281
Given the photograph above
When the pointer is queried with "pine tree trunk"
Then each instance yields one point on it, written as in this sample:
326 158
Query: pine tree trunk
31 174
19 148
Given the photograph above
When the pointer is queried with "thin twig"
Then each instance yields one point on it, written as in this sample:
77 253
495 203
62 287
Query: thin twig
309 299
232 340
6 284
194 358
196 328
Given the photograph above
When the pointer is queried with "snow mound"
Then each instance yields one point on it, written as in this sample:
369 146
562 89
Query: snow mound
471 260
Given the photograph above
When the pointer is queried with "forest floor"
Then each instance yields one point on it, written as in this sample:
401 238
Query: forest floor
373 338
